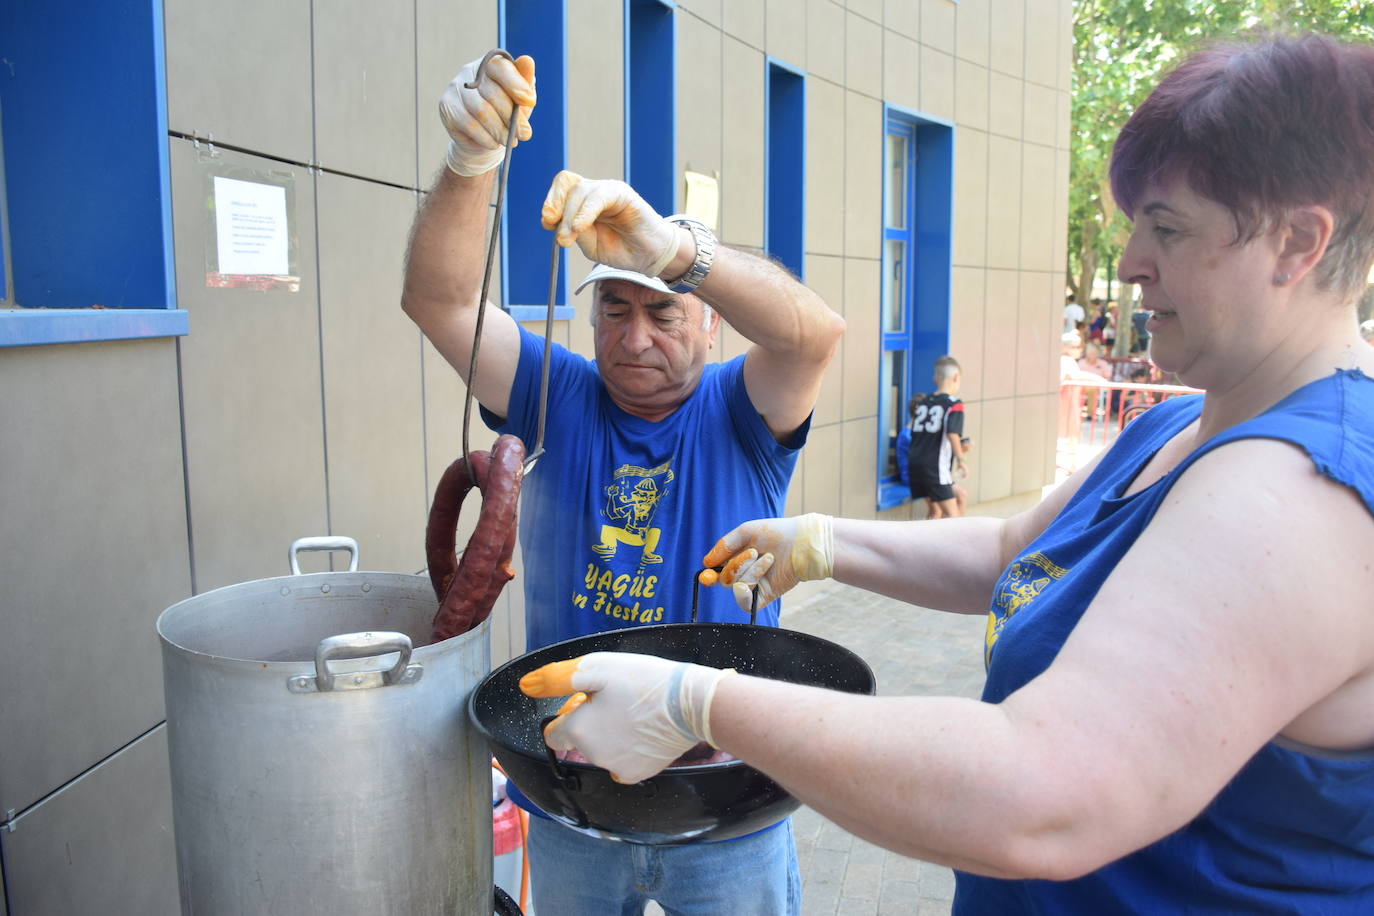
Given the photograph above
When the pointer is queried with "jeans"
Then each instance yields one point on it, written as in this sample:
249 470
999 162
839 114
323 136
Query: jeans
572 874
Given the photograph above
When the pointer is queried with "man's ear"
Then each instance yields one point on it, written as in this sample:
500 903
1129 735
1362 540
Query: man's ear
1304 235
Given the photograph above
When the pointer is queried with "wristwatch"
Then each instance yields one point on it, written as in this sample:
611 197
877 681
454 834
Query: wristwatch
706 253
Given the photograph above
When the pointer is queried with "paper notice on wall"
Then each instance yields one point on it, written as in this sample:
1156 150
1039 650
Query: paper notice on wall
702 198
251 233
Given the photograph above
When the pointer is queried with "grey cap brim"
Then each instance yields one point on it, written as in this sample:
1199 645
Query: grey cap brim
603 272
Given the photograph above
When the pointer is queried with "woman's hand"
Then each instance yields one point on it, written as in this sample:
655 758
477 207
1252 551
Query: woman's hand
774 554
640 712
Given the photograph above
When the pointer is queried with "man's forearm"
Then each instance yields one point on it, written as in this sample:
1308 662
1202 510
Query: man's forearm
766 304
446 255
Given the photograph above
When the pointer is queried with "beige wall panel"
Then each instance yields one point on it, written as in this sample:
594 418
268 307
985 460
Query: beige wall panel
1004 202
741 199
1034 423
1064 70
970 245
709 10
863 177
1037 320
243 78
824 166
1006 105
971 95
902 16
699 97
447 35
967 295
998 449
1042 42
785 26
901 71
822 480
1054 294
859 483
973 430
744 20
937 84
1063 115
862 288
1000 328
972 31
872 9
251 385
825 275
372 376
365 110
596 90
102 844
937 24
1007 42
92 549
1061 210
1038 226
443 393
863 59
825 43
576 334
1041 117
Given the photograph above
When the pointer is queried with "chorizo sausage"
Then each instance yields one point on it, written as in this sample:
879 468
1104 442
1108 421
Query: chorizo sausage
467 588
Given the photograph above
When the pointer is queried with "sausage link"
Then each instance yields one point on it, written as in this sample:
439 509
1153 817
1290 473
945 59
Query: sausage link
441 532
484 568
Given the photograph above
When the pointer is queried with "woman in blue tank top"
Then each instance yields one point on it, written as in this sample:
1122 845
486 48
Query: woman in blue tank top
1179 708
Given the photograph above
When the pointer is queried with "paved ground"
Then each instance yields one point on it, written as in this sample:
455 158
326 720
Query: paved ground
912 651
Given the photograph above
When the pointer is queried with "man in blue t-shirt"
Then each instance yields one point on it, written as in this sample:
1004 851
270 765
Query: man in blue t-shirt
651 451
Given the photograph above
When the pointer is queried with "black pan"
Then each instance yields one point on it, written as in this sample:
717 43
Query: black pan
689 804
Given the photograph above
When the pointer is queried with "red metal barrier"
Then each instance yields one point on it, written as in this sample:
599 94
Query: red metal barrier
1091 416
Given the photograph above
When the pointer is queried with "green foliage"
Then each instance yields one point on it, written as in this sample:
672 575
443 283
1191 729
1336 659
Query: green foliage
1121 49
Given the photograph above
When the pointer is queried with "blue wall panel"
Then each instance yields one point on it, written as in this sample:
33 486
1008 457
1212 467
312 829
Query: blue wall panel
784 225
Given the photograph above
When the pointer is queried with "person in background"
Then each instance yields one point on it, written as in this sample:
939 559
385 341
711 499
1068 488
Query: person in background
936 453
1178 714
650 449
1073 314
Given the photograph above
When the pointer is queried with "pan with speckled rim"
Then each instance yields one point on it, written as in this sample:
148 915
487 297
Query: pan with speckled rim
682 804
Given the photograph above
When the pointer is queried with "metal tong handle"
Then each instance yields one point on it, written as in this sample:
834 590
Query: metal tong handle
533 456
696 590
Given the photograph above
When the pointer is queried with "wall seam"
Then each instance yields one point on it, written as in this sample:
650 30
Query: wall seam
319 287
185 470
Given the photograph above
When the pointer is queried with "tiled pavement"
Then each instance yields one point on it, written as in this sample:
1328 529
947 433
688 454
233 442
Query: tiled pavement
912 651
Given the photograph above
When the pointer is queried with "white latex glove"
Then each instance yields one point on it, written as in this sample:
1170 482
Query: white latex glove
774 554
477 119
610 222
640 713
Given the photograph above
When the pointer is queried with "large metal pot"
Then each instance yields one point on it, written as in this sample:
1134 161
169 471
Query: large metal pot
686 804
320 763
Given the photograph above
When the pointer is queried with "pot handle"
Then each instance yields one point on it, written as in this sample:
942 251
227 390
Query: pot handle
696 592
358 645
323 543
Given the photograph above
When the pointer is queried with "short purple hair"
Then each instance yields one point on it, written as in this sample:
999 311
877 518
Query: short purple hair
1264 127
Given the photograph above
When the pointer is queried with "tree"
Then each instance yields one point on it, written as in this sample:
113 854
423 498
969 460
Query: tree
1121 49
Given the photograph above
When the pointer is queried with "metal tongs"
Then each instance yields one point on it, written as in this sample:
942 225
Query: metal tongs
538 451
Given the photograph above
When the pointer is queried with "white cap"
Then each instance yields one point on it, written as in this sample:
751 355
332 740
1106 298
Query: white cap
604 272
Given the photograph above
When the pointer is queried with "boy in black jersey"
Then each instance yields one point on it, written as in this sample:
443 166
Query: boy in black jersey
937 444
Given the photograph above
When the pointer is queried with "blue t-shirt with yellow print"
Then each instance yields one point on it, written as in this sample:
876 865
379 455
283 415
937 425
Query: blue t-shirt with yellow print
616 516
1294 830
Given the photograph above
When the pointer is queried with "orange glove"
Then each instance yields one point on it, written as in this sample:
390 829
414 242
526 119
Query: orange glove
774 554
611 223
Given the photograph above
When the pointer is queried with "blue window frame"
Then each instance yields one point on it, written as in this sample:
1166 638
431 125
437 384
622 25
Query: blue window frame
90 246
651 101
537 28
784 111
918 182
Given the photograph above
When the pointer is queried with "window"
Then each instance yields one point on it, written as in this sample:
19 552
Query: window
650 101
86 209
537 28
918 162
784 111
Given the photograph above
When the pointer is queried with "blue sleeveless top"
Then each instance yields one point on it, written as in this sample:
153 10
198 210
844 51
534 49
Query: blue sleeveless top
1293 832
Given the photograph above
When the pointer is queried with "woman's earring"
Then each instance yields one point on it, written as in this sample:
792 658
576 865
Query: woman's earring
1280 279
